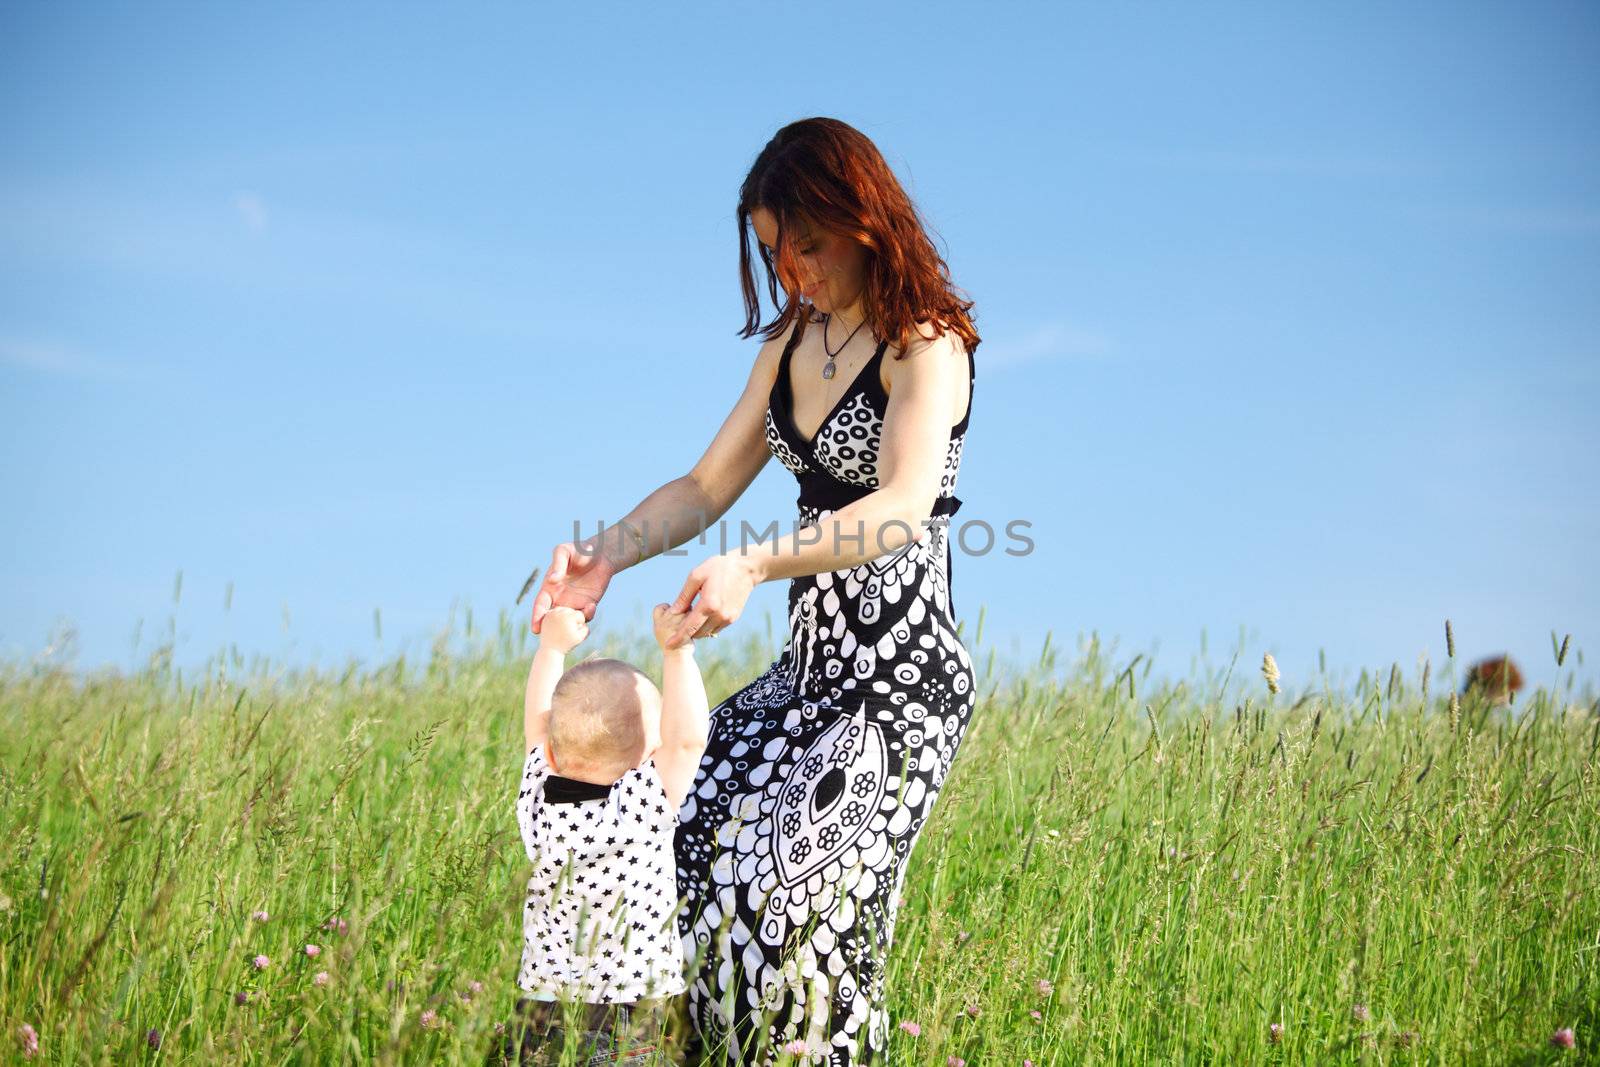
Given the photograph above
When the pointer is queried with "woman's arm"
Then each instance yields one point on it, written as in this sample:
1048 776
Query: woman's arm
680 509
685 506
916 437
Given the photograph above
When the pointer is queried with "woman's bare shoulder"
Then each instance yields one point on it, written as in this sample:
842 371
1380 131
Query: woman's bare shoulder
769 355
926 338
927 334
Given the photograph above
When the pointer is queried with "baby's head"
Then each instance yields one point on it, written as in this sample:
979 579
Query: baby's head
604 716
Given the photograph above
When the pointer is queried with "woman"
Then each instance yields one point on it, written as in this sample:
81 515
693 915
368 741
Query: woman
820 773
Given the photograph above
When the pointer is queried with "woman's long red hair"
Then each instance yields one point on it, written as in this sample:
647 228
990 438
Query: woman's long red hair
830 175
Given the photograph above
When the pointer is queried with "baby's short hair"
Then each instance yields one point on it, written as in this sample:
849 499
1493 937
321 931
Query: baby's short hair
595 716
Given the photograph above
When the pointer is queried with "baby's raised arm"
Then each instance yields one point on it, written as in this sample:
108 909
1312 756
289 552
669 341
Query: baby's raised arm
685 712
565 632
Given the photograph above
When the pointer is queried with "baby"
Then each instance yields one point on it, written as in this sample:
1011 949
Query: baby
609 762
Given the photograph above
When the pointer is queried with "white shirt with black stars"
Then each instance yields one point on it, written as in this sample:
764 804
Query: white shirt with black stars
601 915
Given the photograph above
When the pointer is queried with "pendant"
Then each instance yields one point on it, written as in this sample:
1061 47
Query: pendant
827 369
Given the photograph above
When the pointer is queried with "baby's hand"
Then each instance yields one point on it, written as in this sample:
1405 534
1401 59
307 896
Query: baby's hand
666 623
563 629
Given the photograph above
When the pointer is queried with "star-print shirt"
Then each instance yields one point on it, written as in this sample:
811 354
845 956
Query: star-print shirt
600 920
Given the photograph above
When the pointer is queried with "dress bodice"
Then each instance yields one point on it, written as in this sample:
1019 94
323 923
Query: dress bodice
839 463
854 627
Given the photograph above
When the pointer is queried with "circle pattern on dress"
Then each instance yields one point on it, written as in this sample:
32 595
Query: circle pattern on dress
819 776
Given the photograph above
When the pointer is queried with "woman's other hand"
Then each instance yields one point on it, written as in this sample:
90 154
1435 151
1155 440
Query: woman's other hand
723 584
577 578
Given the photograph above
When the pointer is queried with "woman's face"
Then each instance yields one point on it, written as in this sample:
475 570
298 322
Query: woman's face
831 265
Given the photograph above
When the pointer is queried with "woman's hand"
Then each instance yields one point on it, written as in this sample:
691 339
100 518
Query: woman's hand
723 584
577 578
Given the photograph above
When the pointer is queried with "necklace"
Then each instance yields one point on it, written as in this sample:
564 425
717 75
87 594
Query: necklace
828 367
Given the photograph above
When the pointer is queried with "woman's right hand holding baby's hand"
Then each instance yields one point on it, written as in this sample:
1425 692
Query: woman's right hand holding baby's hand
564 629
577 578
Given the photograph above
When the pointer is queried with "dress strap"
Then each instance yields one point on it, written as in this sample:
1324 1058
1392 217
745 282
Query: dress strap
789 346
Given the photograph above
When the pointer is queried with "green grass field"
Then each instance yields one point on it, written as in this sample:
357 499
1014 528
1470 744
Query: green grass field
1115 873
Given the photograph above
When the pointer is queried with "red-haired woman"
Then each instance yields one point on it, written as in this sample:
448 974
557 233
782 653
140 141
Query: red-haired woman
819 774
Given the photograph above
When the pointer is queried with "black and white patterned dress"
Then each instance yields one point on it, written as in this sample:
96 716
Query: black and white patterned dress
599 918
820 773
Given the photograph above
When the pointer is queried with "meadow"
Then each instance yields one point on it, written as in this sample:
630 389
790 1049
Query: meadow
259 865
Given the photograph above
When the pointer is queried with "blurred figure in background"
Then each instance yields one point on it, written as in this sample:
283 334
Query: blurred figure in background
1494 678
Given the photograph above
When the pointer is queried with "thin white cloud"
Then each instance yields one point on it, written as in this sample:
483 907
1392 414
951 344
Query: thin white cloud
62 362
252 209
483 286
1052 340
1515 219
1314 165
1269 161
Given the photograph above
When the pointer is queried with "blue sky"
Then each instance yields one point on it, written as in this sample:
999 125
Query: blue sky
1290 313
